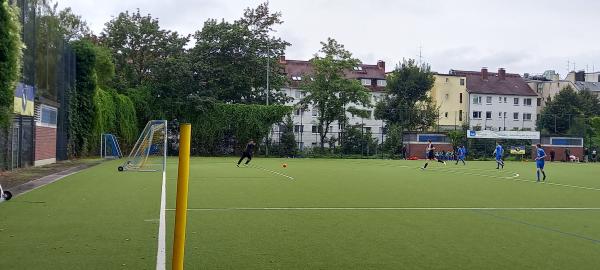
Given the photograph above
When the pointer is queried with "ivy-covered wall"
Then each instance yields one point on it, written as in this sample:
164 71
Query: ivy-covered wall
226 128
94 108
10 59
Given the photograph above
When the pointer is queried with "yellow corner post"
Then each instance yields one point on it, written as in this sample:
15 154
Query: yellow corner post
185 133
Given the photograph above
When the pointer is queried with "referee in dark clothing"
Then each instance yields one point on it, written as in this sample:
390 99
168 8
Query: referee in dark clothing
247 153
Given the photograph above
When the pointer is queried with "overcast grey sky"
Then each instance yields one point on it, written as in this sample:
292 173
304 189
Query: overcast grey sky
522 36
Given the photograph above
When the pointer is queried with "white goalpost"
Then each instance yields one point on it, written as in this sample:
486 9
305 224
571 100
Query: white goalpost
150 151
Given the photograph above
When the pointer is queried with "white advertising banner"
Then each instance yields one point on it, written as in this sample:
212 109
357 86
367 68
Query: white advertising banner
490 134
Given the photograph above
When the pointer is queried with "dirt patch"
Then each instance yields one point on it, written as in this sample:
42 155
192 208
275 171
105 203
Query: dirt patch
21 176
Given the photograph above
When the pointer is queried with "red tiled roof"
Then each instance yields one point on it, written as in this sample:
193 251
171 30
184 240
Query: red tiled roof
295 68
513 84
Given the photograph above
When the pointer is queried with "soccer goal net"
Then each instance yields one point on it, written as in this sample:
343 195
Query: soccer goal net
150 151
109 147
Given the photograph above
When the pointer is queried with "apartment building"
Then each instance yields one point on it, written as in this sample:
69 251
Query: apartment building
499 101
306 120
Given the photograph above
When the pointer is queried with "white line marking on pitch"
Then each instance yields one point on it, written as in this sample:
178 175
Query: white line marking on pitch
273 172
515 178
393 208
161 250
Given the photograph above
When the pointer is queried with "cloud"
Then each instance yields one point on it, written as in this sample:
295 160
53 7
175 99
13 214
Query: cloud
525 36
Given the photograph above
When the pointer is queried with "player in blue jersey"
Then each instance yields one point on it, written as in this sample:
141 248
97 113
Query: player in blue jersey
499 152
461 154
539 162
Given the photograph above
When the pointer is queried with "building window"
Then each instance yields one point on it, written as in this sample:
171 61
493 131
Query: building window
516 102
462 81
539 102
298 112
460 115
365 82
460 98
296 78
298 128
504 99
526 117
499 99
527 101
369 114
316 129
476 100
382 83
315 111
48 116
500 115
446 114
446 79
476 115
367 129
488 115
540 88
516 116
488 100
358 68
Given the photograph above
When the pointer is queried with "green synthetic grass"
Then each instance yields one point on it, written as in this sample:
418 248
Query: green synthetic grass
101 219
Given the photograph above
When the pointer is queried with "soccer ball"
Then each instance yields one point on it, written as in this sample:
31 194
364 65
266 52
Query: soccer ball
284 165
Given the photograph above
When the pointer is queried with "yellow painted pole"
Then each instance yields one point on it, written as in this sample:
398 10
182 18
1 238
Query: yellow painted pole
185 133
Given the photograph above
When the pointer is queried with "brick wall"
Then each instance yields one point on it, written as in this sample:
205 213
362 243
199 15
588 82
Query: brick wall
418 149
45 143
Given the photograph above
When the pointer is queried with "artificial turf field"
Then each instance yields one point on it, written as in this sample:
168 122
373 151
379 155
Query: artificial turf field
447 217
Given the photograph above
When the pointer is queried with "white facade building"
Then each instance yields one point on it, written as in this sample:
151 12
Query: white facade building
305 121
502 112
499 101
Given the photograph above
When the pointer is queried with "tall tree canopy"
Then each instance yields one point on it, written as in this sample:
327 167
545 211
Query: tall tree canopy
407 102
230 58
137 43
329 91
567 112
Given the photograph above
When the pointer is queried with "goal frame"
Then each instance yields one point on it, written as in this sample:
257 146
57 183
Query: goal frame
136 148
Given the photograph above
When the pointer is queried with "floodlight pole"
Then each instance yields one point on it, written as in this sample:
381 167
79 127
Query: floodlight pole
270 128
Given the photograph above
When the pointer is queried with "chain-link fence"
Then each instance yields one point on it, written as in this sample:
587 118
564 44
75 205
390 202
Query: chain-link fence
49 71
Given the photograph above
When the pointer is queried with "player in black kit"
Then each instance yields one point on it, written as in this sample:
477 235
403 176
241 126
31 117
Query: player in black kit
247 153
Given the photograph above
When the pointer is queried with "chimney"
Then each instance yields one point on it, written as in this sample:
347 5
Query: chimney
381 65
580 76
484 73
282 59
501 74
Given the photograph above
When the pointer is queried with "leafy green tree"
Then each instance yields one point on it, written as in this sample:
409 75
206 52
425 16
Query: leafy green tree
358 141
137 42
72 26
104 67
394 141
407 102
560 112
329 91
230 58
11 56
288 145
457 138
